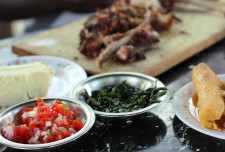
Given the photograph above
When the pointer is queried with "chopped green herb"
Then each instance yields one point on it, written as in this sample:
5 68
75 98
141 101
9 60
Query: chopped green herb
65 107
123 98
49 131
78 119
61 128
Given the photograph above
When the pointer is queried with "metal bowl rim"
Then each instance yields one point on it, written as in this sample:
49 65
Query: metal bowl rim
89 123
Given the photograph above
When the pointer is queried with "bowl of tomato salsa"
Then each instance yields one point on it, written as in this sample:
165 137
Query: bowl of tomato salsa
45 123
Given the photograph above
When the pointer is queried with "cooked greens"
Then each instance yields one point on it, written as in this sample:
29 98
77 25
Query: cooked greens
123 98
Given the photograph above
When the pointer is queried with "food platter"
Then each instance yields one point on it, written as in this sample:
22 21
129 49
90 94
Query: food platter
67 73
188 113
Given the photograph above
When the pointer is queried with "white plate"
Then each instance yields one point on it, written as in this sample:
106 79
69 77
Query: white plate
67 73
188 113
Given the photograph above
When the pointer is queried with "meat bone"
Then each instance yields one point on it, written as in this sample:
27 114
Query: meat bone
114 46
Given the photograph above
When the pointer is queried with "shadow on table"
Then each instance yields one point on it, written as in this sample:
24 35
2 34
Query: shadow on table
194 140
132 135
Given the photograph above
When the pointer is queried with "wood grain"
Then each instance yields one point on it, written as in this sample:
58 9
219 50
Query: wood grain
197 31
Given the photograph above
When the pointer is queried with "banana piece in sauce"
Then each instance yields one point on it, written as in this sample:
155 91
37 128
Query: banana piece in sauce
210 101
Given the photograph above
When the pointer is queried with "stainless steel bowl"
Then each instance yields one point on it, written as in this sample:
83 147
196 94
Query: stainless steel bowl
96 82
80 108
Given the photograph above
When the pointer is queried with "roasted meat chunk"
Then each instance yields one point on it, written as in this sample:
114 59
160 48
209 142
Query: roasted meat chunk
115 31
126 53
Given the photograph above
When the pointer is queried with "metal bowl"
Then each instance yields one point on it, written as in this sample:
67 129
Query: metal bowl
97 82
80 108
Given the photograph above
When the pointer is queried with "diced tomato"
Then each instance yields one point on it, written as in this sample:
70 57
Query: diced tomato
41 104
77 125
45 108
69 114
47 115
51 138
23 133
26 109
57 102
54 114
60 136
26 121
32 125
42 123
74 117
70 121
17 139
53 132
66 134
41 115
39 100
59 107
63 123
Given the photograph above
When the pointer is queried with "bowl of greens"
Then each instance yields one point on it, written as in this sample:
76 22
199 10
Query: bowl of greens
120 94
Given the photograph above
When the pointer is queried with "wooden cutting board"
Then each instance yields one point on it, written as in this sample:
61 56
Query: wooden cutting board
197 31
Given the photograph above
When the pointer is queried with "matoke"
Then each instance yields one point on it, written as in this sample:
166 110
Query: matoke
210 102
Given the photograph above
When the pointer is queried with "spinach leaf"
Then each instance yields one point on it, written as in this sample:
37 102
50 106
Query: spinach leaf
123 98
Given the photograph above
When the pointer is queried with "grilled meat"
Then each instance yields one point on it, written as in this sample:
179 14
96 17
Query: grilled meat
167 3
126 53
122 24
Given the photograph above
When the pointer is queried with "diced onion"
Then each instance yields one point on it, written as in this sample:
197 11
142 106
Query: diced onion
36 119
72 130
45 137
60 115
29 114
53 103
83 121
48 104
55 128
37 142
35 109
43 133
31 140
8 132
32 114
24 115
58 119
35 129
35 138
38 133
48 123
